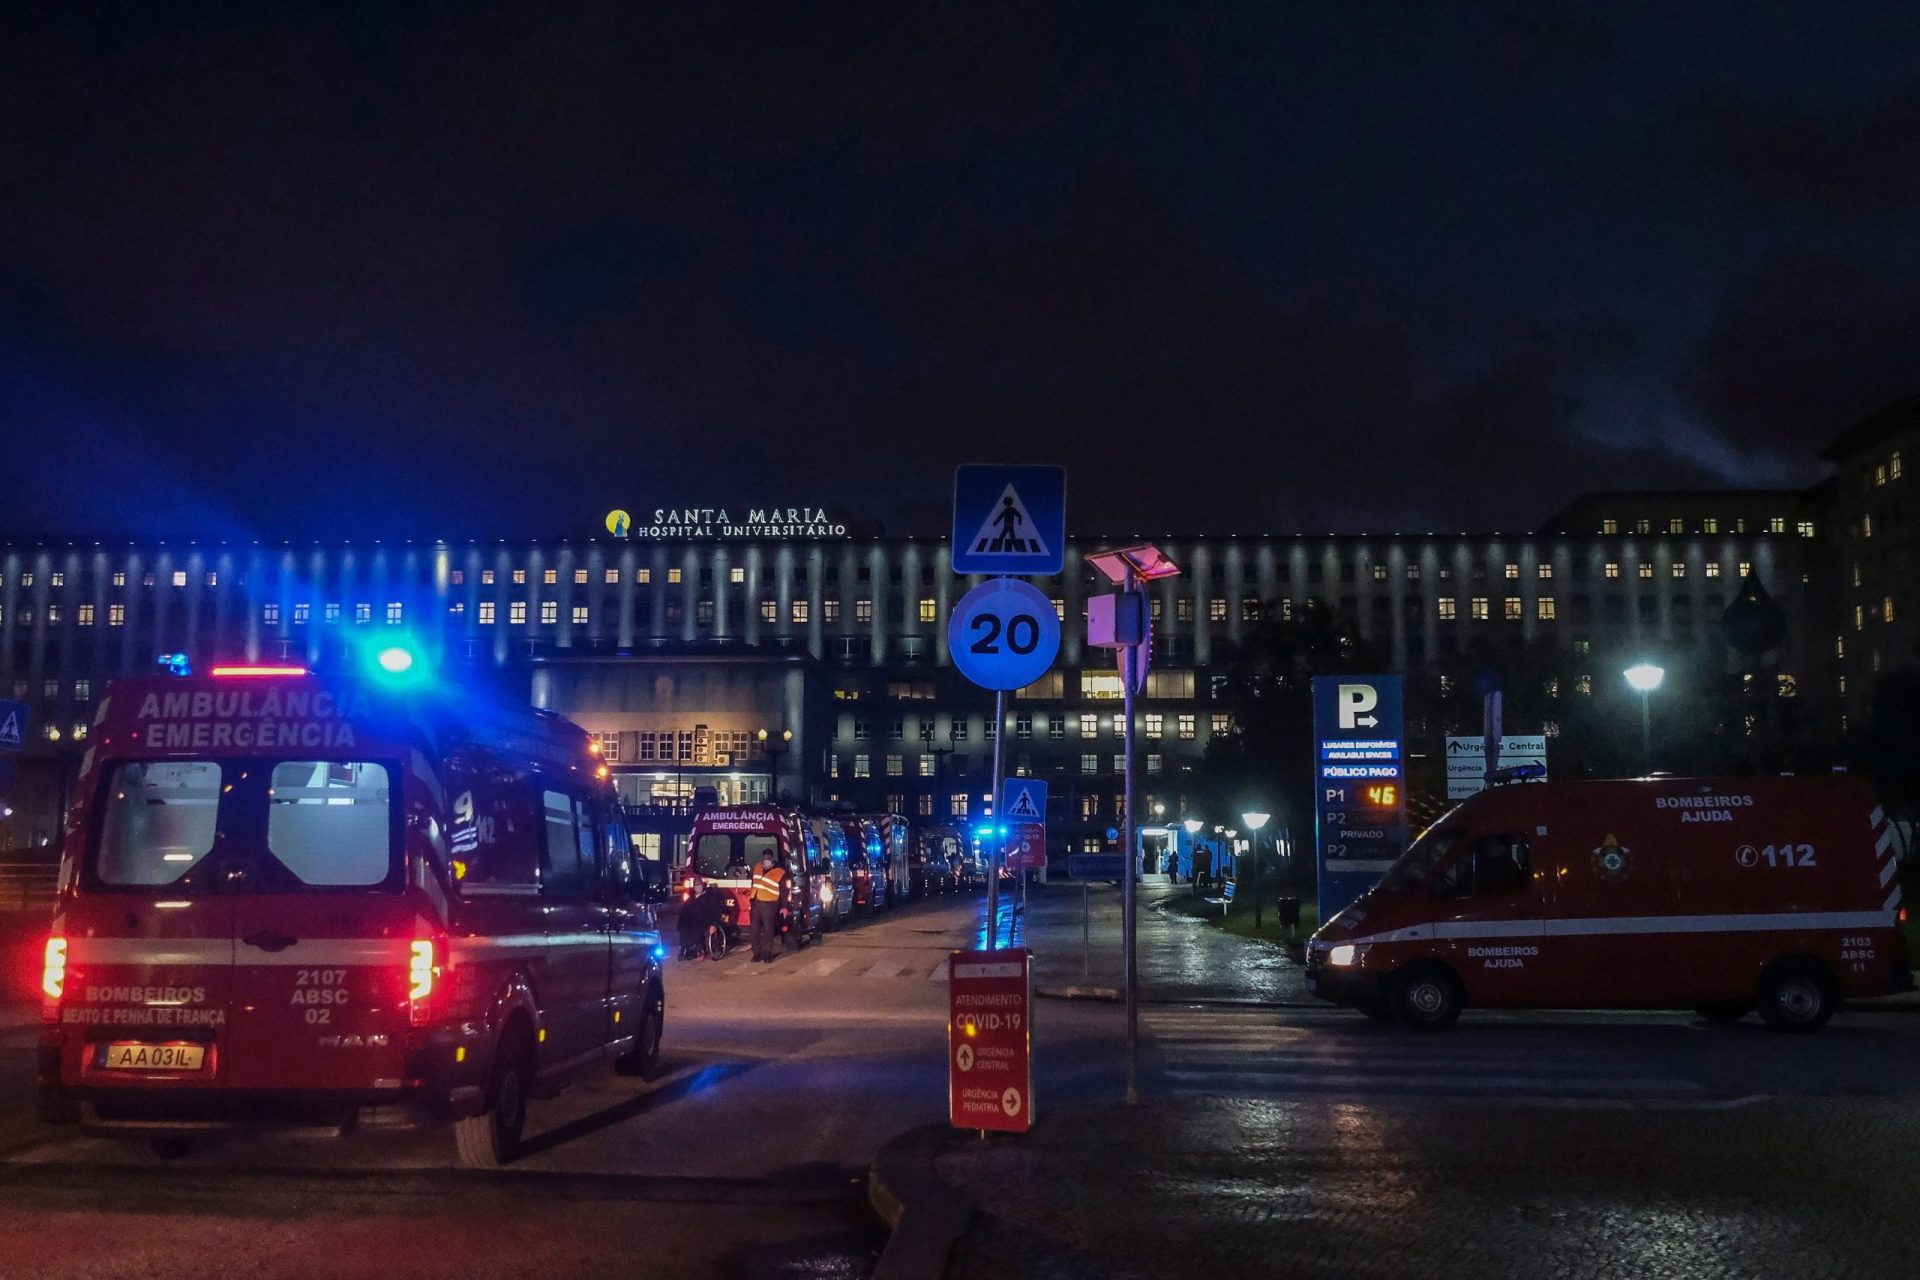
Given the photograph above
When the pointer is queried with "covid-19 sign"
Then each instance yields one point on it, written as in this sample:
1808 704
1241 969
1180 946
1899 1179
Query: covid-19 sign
1360 806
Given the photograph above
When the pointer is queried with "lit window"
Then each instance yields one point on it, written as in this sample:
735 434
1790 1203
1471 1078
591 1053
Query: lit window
830 610
896 766
1188 727
1710 525
486 613
863 611
1805 528
612 578
1893 465
863 766
643 576
770 611
1379 573
1413 573
1676 525
673 576
926 766
1153 762
579 615
549 611
119 579
1446 604
333 612
1746 567
82 690
1478 606
1089 763
457 608
59 579
580 577
1613 570
1221 721
1155 724
270 614
1859 617
83 616
519 577
1089 724
1216 610
395 612
1183 610
737 573
1545 571
926 609
1777 524
1643 526
1713 568
457 576
1886 609
486 577
179 577
1583 684
1513 571
363 613
801 610
1510 609
517 612
1609 526
53 615
1679 568
1646 568
1547 609
960 805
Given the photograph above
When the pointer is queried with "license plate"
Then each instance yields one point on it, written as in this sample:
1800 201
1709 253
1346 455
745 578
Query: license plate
135 1056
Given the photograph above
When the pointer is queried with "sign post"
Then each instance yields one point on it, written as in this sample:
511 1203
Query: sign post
989 1040
1359 793
1004 634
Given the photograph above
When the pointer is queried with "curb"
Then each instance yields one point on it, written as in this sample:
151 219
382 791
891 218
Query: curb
926 1216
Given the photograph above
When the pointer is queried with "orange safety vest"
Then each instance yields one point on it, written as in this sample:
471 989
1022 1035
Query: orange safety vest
766 884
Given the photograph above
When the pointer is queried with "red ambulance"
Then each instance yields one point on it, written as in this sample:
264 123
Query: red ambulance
292 900
1779 895
725 845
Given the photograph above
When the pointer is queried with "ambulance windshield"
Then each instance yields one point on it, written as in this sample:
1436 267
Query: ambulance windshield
1410 872
730 854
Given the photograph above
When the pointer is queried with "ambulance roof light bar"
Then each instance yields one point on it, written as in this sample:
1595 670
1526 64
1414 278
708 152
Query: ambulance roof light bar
255 671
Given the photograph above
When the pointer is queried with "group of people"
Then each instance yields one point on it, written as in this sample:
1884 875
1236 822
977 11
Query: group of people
707 908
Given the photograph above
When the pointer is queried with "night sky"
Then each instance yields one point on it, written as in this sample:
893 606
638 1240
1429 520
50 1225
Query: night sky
471 269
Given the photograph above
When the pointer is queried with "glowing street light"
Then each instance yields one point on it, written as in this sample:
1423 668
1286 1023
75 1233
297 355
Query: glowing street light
1646 677
1193 826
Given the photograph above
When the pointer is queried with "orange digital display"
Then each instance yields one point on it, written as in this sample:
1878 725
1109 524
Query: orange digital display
1384 796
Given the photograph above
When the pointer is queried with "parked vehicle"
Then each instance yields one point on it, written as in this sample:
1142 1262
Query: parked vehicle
1771 894
929 865
826 844
725 844
887 846
295 899
863 843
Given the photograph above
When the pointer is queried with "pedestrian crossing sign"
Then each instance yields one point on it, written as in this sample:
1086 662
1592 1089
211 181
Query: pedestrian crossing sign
1023 800
13 724
1009 519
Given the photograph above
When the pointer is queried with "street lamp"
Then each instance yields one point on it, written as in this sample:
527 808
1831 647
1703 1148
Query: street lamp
1646 677
773 748
1254 822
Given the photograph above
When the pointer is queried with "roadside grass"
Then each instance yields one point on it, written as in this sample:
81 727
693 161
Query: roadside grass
1238 917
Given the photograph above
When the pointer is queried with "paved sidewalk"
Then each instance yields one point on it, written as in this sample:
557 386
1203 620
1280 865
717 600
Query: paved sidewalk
1216 1187
1181 958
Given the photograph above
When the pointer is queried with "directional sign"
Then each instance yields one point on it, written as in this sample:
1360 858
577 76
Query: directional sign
1467 761
1003 634
989 1039
13 725
1360 820
1009 519
1096 866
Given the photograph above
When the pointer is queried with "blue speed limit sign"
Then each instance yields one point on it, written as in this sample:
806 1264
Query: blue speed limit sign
1003 634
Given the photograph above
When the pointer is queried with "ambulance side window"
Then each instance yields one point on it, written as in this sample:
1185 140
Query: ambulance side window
492 828
1493 866
571 870
617 857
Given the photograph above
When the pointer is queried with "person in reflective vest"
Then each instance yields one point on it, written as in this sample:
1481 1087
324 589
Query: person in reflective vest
769 894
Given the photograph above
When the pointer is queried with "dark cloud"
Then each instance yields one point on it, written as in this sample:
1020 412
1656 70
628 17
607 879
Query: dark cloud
1806 345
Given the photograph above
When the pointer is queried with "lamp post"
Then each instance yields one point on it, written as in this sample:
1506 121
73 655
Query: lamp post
773 748
1646 677
1193 826
1254 822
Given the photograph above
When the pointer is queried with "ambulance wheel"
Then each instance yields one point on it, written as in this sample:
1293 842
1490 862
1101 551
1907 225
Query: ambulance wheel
1427 998
492 1138
1723 1012
643 1060
171 1148
1796 996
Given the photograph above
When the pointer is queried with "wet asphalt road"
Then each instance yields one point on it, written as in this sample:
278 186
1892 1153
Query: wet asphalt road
1275 1141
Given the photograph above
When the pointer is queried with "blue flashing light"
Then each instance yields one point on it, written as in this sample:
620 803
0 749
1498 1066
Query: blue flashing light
659 953
174 664
395 660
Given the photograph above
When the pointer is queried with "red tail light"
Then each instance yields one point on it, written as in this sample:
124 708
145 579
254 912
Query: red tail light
53 969
426 963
